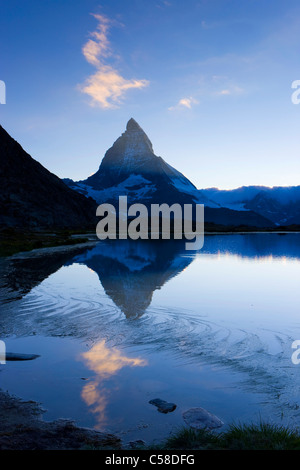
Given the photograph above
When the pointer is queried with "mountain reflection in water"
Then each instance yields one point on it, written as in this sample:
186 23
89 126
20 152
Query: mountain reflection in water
130 271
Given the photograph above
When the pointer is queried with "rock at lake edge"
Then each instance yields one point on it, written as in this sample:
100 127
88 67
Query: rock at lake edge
137 444
22 428
9 356
199 418
163 406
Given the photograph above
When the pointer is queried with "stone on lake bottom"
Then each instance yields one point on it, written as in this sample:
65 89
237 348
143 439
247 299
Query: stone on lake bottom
199 418
137 444
163 406
9 356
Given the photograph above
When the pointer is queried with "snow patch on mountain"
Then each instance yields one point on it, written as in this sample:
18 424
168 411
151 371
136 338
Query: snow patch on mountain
280 204
135 187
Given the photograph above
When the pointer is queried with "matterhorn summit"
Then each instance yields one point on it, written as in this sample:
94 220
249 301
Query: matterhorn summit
130 168
136 141
132 153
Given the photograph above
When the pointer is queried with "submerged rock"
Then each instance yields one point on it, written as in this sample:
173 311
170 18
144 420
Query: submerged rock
137 444
163 406
199 418
20 357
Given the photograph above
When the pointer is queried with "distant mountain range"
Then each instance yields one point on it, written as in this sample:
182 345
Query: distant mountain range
280 205
32 197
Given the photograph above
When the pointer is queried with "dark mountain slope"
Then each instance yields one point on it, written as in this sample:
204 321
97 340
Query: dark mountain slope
32 197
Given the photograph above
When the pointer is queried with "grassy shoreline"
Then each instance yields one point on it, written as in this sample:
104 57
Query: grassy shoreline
13 241
262 436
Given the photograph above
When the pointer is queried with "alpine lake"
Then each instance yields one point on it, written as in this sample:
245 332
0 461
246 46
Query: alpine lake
116 324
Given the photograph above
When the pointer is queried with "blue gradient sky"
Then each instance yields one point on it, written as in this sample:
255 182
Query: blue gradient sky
209 81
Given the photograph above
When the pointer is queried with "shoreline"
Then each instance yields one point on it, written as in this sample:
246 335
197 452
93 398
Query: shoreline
22 428
38 242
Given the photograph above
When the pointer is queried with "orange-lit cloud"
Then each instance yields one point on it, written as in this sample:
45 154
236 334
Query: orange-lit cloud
104 362
184 103
108 361
106 86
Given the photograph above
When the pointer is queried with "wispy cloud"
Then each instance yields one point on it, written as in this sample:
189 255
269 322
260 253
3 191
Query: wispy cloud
163 4
234 90
186 103
208 88
223 92
106 86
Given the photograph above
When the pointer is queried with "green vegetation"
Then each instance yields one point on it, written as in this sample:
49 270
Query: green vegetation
236 437
261 437
13 241
190 439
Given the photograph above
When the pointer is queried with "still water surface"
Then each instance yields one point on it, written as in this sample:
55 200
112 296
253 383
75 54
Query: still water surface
123 322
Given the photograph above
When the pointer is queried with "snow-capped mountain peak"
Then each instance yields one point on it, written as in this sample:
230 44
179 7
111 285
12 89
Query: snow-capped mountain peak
131 153
130 168
135 142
